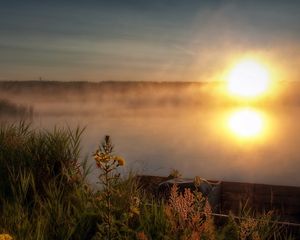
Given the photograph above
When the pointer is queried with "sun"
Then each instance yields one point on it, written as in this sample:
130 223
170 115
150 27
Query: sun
248 78
246 123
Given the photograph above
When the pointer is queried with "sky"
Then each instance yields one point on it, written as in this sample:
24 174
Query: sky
145 40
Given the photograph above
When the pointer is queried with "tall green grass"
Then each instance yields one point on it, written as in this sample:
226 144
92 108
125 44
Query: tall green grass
43 194
46 155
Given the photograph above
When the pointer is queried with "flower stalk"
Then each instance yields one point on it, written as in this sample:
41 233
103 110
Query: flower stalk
108 164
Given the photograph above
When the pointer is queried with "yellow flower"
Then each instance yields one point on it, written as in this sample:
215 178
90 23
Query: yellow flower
97 158
100 157
5 236
135 210
120 160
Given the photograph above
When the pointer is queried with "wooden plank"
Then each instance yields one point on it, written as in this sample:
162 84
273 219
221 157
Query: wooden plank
277 190
285 201
236 187
289 201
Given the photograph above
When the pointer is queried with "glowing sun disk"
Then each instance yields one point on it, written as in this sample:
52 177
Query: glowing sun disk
248 79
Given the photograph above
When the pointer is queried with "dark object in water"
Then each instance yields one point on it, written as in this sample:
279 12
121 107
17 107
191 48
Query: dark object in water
8 108
230 197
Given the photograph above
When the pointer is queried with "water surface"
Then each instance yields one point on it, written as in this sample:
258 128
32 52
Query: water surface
158 127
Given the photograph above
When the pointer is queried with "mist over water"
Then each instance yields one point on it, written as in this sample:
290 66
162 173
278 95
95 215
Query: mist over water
157 128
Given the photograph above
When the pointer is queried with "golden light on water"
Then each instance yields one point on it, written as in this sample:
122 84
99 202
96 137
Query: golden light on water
248 78
246 123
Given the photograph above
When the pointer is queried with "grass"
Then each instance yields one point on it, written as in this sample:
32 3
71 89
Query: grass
44 195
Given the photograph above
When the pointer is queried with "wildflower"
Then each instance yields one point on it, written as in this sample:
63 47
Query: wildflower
101 158
197 181
174 174
135 210
207 209
247 226
5 236
181 204
97 158
185 213
120 160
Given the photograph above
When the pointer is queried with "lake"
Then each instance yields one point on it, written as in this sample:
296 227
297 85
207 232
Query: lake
196 139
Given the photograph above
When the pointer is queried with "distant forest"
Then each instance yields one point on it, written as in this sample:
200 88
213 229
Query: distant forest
14 94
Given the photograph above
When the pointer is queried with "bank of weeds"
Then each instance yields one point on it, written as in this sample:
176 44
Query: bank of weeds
44 194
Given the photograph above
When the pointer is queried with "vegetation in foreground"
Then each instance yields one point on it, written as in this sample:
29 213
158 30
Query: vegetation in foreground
44 195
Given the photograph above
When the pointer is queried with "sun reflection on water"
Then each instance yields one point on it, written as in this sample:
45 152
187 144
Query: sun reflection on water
246 123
